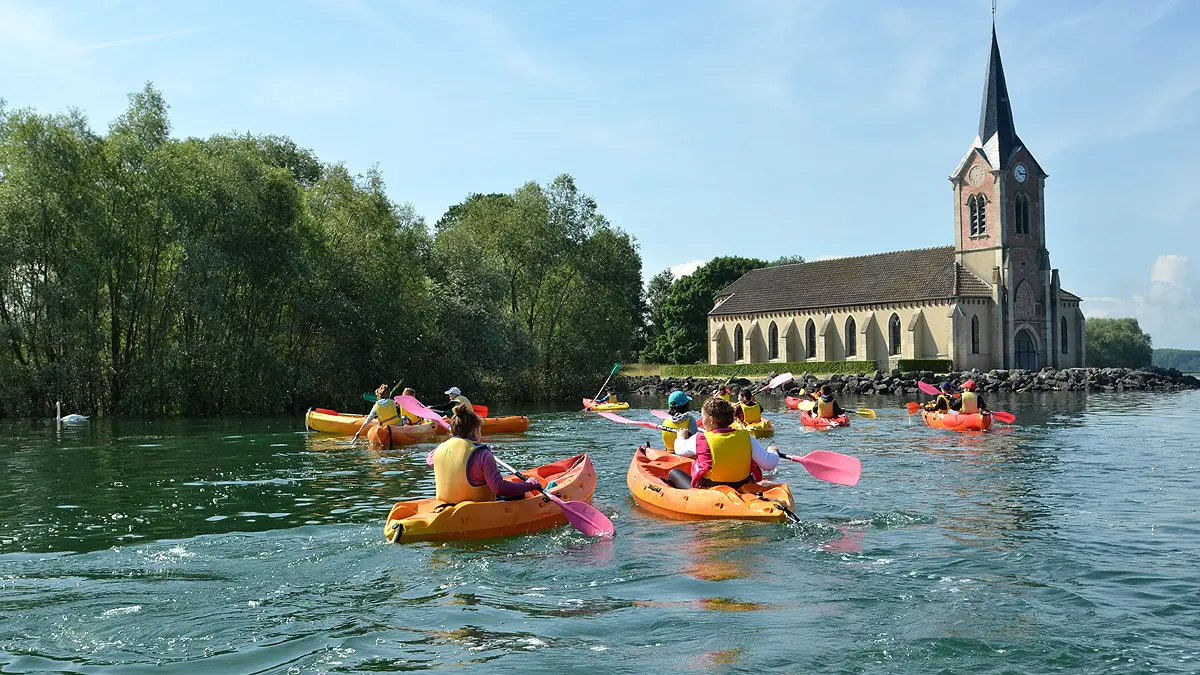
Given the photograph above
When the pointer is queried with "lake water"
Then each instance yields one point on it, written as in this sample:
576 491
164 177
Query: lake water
1069 542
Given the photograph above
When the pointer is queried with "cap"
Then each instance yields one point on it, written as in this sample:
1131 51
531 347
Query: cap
678 398
945 386
969 385
454 391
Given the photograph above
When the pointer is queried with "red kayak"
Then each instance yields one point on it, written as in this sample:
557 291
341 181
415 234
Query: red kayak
793 402
809 420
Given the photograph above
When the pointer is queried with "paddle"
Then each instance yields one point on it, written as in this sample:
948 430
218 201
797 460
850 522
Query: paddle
825 465
776 381
583 517
615 368
664 415
832 467
927 388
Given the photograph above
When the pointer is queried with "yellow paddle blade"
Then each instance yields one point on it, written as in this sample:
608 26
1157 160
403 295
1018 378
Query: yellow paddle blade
866 412
807 405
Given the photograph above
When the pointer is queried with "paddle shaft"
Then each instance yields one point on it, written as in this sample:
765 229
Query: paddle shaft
610 374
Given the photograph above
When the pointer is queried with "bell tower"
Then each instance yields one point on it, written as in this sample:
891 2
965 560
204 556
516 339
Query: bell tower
999 227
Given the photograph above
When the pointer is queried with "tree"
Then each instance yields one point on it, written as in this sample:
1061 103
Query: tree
685 311
1117 343
657 292
1184 360
787 260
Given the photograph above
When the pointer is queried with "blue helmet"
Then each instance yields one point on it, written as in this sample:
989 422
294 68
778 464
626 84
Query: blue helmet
678 399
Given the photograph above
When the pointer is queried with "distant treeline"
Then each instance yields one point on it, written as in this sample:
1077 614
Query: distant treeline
146 275
1183 360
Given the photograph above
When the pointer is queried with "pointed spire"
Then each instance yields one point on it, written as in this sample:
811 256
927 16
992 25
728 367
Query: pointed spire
995 118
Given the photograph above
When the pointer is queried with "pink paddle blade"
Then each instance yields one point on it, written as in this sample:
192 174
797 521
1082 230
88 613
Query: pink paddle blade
832 467
777 380
928 388
624 420
588 403
584 517
1006 417
661 414
411 404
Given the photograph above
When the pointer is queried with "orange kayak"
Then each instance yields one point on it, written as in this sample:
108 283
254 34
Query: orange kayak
793 402
810 420
752 501
957 421
399 434
333 422
430 519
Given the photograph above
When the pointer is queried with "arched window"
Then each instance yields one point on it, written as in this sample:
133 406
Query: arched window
974 334
739 345
894 334
773 341
810 339
851 337
978 208
1062 330
1021 214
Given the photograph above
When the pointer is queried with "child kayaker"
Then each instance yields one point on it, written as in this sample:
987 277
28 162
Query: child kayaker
610 397
464 470
385 408
748 410
969 402
724 456
405 416
456 398
827 406
680 418
724 393
943 401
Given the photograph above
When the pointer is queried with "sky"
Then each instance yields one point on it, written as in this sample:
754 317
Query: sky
814 127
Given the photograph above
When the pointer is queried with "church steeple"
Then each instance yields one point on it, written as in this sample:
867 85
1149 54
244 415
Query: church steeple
997 134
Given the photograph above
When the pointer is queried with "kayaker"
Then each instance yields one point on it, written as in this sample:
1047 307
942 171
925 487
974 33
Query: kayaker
943 401
748 410
680 418
827 406
405 416
724 456
724 393
969 402
385 408
610 397
464 470
456 398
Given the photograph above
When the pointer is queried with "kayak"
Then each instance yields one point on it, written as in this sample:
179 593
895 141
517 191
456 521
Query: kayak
431 519
589 404
400 434
793 402
760 429
647 482
810 420
957 421
333 422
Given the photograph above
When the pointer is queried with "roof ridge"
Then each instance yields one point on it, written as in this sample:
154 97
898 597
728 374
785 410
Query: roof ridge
866 255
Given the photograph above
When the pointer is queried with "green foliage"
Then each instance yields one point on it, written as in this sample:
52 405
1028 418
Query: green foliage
657 292
787 260
1117 343
141 274
684 332
936 365
760 369
1183 360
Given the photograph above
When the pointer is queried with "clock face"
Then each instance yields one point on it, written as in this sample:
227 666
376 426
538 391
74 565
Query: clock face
1020 172
975 175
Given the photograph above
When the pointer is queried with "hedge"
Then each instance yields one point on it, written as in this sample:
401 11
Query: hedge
760 369
936 365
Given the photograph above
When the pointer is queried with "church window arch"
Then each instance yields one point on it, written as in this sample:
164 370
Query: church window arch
851 337
1026 349
975 334
810 339
1062 330
1021 214
977 205
894 335
739 345
773 341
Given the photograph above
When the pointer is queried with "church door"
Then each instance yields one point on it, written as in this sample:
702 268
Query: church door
1027 354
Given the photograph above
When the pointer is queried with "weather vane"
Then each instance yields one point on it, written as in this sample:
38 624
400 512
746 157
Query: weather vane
993 12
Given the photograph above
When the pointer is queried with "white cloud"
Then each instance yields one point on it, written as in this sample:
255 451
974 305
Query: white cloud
1169 309
684 269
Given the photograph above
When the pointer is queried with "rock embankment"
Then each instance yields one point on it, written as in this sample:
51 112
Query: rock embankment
897 383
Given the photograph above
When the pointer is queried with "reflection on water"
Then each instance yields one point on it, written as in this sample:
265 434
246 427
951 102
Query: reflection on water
1054 545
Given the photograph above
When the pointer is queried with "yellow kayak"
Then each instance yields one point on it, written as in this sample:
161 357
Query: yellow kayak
589 404
760 429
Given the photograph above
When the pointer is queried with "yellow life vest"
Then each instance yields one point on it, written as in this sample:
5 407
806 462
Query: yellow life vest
941 403
723 397
732 455
825 408
970 403
751 413
385 408
450 473
669 436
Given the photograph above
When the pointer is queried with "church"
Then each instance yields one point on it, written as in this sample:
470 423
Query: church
989 301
